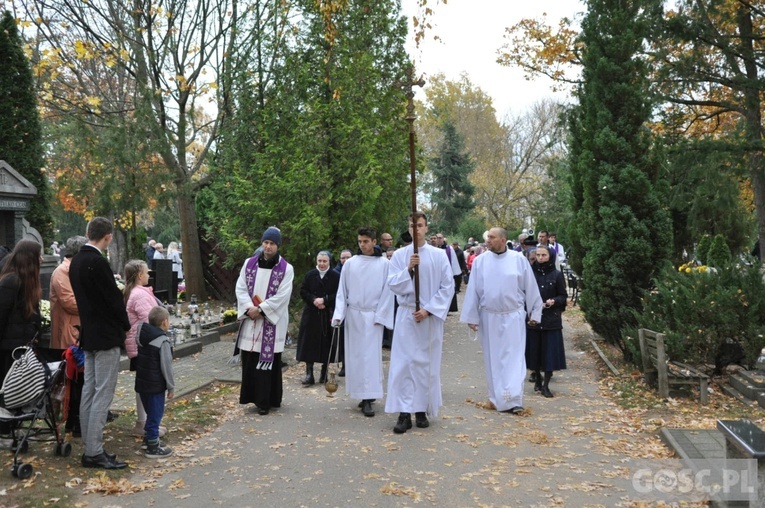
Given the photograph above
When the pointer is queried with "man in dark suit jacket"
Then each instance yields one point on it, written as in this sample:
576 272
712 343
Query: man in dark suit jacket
463 266
103 322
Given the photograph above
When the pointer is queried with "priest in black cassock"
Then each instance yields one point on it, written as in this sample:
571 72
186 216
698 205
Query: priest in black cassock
263 296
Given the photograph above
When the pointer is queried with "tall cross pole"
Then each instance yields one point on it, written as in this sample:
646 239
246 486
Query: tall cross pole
410 117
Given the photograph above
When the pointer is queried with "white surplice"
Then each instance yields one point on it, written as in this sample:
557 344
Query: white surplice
276 308
414 376
454 263
365 302
501 289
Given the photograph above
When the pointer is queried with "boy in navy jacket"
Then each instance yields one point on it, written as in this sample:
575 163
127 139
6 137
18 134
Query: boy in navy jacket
154 376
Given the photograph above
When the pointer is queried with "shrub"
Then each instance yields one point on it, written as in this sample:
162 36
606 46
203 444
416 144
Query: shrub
701 310
719 252
702 248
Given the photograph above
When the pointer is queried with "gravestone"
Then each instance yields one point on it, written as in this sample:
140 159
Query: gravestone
15 194
163 281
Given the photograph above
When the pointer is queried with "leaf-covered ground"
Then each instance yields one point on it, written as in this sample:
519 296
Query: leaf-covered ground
576 449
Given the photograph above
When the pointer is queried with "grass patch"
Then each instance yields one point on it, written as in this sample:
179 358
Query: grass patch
61 481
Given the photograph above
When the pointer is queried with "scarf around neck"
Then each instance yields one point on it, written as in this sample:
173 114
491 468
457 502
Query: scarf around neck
268 343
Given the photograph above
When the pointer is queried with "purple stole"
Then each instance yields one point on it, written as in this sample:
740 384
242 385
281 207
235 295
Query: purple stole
268 343
449 255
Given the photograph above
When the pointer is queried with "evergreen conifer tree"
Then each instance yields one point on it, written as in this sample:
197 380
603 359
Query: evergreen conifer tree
719 253
20 130
622 230
452 191
702 249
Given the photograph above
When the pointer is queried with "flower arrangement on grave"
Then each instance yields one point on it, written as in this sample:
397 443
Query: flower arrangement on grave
45 314
229 316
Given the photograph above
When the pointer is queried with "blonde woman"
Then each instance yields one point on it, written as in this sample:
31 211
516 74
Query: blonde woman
139 300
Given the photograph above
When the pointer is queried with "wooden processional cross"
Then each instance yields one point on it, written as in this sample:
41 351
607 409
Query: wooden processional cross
408 86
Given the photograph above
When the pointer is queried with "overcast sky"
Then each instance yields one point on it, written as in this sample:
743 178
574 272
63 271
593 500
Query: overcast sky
471 32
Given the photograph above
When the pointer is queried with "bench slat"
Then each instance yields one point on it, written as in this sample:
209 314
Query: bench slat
656 364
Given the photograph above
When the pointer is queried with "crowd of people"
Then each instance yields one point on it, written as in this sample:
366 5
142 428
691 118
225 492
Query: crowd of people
92 320
379 297
385 297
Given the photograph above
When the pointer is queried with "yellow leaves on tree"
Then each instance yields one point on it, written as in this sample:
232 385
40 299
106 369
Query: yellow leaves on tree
538 48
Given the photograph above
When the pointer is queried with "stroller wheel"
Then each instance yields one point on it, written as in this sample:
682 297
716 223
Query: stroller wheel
66 449
24 471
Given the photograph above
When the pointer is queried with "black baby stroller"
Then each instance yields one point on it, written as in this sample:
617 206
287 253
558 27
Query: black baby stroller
26 398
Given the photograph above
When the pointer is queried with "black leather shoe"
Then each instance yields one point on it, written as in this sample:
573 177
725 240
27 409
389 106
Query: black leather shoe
342 371
308 381
537 386
421 420
546 392
262 411
111 456
366 408
103 462
403 424
533 377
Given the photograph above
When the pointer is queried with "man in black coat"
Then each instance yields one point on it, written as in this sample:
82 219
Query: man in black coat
103 322
463 265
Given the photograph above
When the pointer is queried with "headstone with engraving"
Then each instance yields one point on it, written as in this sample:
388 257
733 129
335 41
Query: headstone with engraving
16 192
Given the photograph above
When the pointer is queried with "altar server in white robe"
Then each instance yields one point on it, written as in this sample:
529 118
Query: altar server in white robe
365 302
501 295
414 377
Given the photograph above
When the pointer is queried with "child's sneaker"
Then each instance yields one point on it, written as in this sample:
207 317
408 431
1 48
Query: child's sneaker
145 444
157 451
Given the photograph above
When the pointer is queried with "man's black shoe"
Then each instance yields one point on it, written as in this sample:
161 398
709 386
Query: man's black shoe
421 420
112 456
366 408
404 422
342 371
533 377
103 462
110 417
262 411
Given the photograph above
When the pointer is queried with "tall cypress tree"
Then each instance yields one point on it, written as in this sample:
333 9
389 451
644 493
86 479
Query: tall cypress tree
452 192
20 130
622 228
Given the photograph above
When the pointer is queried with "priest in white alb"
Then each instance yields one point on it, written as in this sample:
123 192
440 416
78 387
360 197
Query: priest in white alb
414 376
263 293
501 296
364 302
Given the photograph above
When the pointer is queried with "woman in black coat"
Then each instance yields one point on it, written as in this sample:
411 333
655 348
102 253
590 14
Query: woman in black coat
19 303
315 337
544 342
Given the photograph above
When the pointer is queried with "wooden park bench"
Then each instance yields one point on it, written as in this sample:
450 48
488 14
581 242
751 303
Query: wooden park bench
657 366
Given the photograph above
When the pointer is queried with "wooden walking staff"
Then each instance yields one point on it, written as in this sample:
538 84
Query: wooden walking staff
410 117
